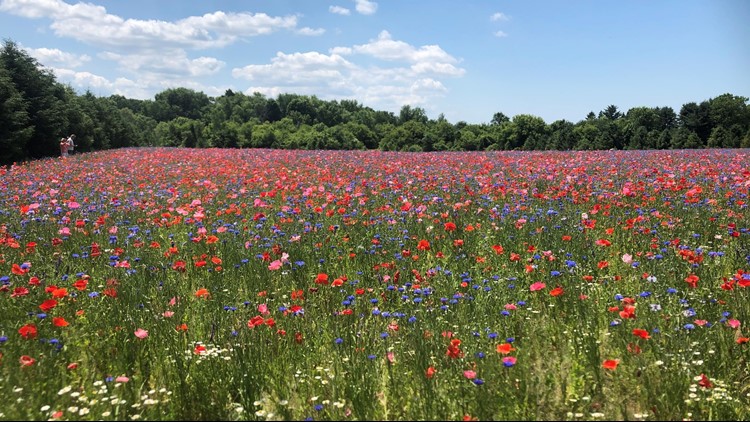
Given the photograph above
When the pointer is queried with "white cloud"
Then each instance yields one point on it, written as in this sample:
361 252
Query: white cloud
166 63
386 48
500 34
83 80
52 57
366 7
339 10
311 31
93 25
498 16
391 73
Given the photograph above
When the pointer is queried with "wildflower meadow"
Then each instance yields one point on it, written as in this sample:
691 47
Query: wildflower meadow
254 284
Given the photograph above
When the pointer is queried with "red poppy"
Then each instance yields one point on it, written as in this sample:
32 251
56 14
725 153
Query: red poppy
423 245
505 348
639 332
60 293
28 331
179 266
705 382
454 351
430 372
47 305
557 291
692 280
80 284
628 311
17 270
610 364
255 321
19 291
321 278
59 322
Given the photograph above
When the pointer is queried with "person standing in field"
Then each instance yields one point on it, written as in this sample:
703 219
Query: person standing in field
71 144
63 147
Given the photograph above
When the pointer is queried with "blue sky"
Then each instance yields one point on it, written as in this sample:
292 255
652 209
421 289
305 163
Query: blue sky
466 59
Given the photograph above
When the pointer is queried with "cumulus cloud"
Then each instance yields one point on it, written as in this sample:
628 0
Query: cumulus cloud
338 10
174 62
384 73
52 57
366 7
93 25
500 34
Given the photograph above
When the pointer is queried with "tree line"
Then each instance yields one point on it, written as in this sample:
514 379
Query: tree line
36 111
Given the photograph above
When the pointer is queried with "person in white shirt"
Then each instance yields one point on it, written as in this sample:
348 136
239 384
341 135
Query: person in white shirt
71 143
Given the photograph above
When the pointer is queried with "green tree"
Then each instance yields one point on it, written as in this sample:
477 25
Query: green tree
721 138
44 100
180 102
728 110
263 136
586 134
561 135
499 118
610 113
745 143
409 113
526 128
695 117
15 126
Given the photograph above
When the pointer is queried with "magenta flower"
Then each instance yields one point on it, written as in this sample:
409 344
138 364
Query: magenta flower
275 265
537 286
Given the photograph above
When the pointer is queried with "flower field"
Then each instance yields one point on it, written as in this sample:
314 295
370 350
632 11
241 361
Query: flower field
181 284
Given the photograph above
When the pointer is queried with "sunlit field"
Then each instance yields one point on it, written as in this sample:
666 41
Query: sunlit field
164 284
